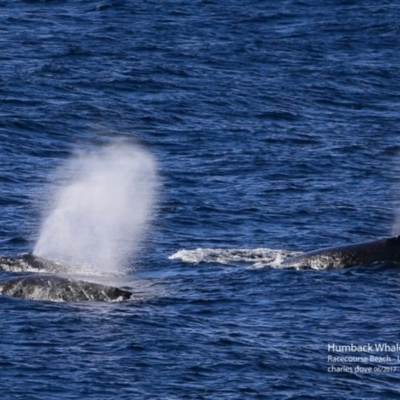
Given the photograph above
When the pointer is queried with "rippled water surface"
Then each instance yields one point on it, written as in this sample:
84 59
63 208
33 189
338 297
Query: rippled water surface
274 126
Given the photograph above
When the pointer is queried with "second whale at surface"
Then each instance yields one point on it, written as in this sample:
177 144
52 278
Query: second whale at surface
385 250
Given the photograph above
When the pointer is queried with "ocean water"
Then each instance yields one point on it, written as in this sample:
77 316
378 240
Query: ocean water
274 128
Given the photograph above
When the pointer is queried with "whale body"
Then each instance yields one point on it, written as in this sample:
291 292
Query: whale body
43 284
28 262
57 288
367 253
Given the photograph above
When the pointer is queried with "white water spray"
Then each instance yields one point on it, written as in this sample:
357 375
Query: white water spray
99 214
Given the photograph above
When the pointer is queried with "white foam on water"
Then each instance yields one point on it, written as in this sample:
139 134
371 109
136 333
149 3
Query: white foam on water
251 258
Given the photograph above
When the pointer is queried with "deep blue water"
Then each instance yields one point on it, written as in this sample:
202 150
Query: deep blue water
275 126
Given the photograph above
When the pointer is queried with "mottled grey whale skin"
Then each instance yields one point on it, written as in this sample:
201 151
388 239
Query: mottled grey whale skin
367 253
57 288
42 284
28 262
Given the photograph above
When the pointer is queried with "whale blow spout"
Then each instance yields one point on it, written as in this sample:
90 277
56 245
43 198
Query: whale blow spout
99 213
367 253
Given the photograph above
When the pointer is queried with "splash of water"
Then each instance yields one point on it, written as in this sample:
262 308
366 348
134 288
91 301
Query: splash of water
253 258
100 212
396 224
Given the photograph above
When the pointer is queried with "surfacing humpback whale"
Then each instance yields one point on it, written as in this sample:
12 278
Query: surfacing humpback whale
47 286
27 262
367 253
57 288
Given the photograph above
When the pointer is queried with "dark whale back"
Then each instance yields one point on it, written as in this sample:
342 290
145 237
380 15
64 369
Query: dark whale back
40 263
367 253
28 262
44 285
57 288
